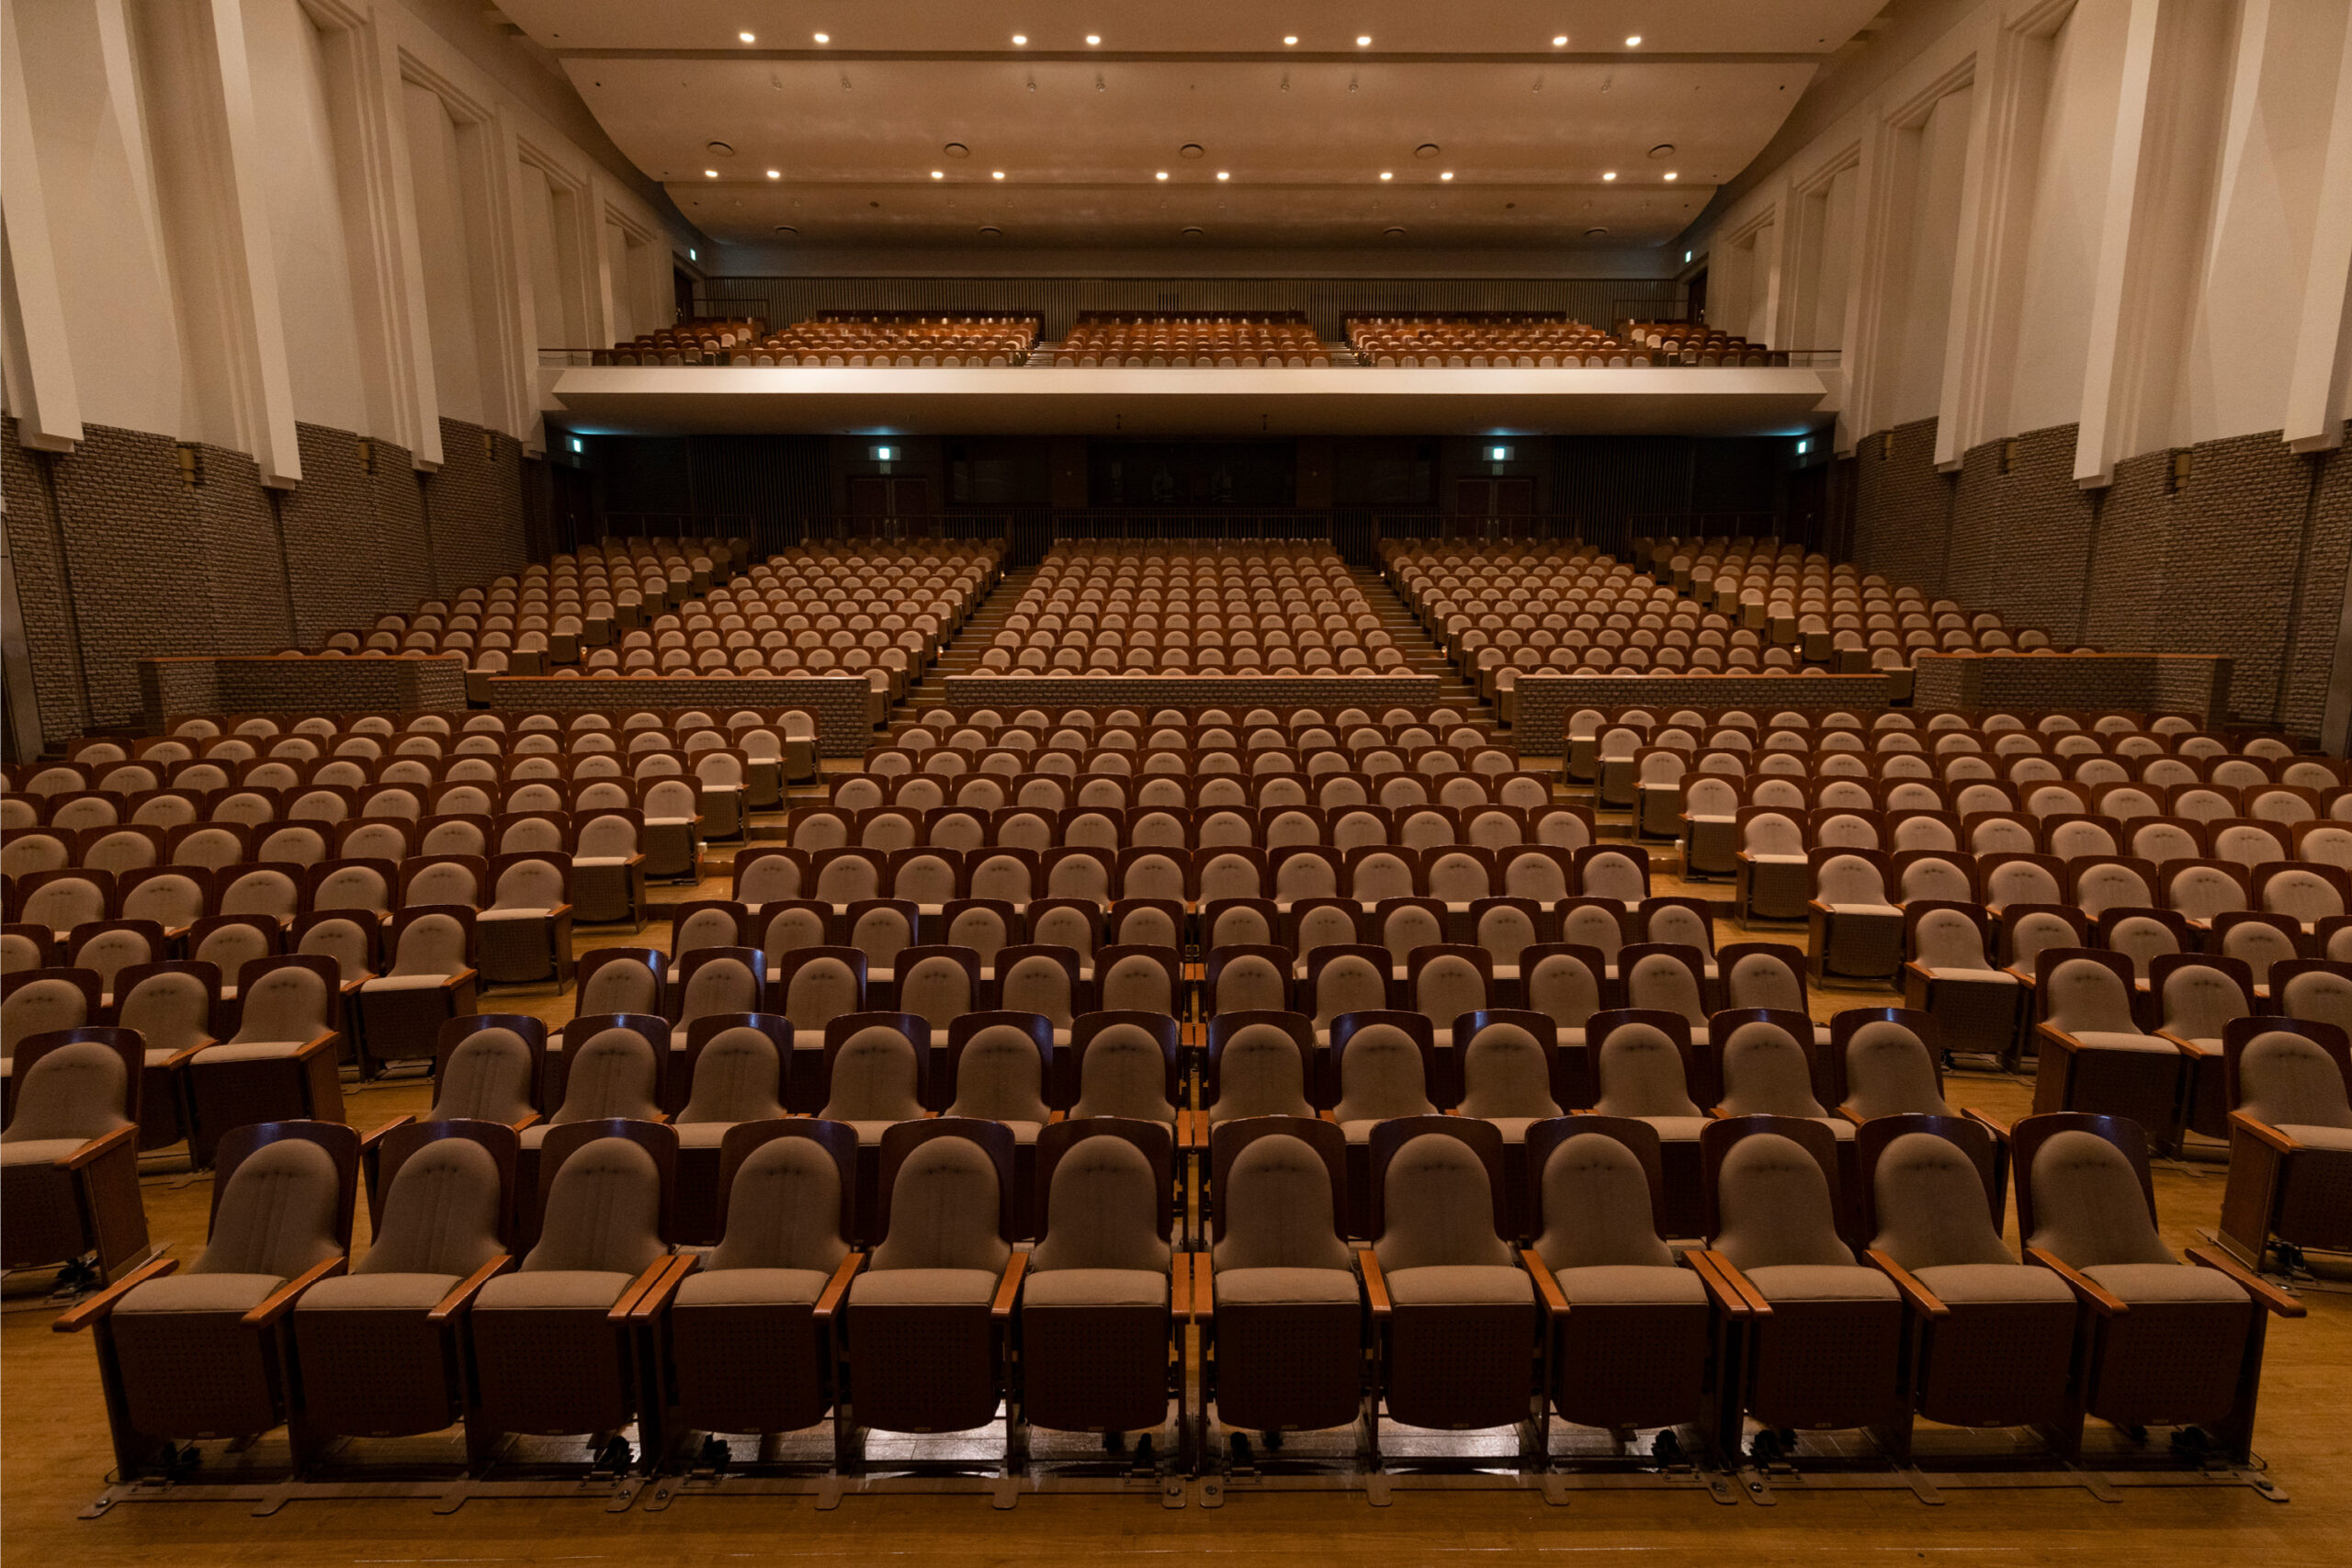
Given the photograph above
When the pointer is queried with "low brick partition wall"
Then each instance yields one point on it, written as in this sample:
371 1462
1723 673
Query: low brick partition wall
2193 683
1193 690
1546 699
837 703
408 683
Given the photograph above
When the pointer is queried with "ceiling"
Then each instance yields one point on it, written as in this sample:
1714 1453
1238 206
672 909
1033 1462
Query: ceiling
894 133
657 401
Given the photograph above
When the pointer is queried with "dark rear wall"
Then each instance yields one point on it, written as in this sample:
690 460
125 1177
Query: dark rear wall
779 489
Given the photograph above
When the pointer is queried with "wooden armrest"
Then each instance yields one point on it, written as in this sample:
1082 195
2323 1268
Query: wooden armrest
182 1058
560 912
657 1294
1203 1289
1180 1286
368 1140
1052 1116
1192 1130
463 978
1923 1299
280 1301
1331 1116
1719 1289
2263 1293
1548 1288
1850 1114
98 1148
628 1299
2000 1129
1738 1283
531 1120
1375 1284
311 1047
2263 1132
2086 1290
462 1294
829 1302
1815 906
1008 1289
81 1316
2054 1035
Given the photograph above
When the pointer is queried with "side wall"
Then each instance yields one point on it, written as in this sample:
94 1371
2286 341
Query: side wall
119 557
2244 556
2091 240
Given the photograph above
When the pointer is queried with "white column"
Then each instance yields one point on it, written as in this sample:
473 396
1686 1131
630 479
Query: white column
249 260
2110 370
38 363
2316 401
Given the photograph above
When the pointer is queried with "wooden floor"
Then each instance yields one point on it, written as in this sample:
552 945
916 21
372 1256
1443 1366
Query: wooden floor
55 1458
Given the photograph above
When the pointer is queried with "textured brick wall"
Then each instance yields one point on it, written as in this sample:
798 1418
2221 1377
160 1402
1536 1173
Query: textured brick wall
474 508
37 557
133 563
2248 559
335 585
2189 683
1545 701
837 703
174 687
237 553
2019 540
1904 516
2319 622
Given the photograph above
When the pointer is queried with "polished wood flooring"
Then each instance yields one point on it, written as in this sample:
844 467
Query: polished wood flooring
55 1458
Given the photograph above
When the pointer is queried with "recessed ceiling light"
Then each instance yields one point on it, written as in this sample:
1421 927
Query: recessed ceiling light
1634 42
957 150
1427 150
1191 232
1561 41
1093 38
1364 42
991 232
1672 176
1223 175
775 173
939 173
996 174
822 38
710 174
1609 175
1663 149
1386 175
1594 234
1392 233
786 229
1291 40
1161 175
1190 149
747 38
1446 175
1021 37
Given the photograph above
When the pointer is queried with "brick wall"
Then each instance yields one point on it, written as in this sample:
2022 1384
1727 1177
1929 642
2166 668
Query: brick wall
2021 540
1904 516
1546 701
2170 682
117 559
177 687
474 508
2247 559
